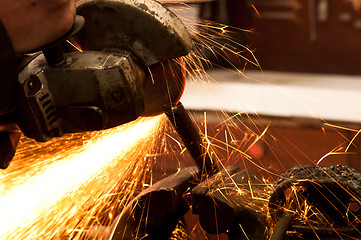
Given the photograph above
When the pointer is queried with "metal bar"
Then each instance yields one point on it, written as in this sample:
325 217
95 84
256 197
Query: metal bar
191 138
282 226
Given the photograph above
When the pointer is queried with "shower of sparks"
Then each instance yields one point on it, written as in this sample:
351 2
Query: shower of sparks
207 34
64 194
308 214
59 189
236 134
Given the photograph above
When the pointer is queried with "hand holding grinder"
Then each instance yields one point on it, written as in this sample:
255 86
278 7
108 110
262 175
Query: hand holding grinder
126 68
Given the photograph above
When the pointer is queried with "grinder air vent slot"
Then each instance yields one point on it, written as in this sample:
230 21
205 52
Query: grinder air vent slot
46 95
48 109
41 100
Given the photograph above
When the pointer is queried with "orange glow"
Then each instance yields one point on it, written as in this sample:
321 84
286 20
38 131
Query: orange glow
255 9
50 202
80 181
356 4
74 45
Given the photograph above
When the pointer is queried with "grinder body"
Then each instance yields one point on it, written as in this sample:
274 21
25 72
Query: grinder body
87 91
127 66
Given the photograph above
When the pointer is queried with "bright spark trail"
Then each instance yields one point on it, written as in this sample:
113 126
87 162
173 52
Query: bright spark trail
60 194
39 206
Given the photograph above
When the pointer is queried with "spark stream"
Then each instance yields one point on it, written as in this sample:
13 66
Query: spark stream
50 198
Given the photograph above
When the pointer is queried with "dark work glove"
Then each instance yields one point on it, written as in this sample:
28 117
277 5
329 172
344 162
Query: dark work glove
8 73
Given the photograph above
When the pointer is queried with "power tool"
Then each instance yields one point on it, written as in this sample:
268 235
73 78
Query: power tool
125 63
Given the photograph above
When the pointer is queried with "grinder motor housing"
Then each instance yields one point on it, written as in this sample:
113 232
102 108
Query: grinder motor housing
107 84
128 66
88 91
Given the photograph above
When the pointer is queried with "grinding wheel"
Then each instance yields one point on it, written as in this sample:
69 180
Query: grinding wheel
152 33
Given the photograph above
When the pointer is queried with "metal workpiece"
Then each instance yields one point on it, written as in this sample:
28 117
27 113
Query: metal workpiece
191 138
331 195
223 203
282 226
87 91
144 27
156 211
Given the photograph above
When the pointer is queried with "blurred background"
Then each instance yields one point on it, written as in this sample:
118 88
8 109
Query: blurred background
271 84
291 66
289 72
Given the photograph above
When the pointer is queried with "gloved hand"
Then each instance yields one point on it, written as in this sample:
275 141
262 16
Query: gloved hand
24 26
32 24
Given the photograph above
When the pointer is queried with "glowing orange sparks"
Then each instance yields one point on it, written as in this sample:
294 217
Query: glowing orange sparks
26 203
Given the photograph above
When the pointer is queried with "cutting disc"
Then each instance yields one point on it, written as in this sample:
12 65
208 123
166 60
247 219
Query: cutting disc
147 29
